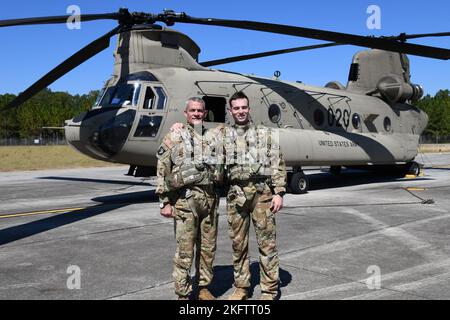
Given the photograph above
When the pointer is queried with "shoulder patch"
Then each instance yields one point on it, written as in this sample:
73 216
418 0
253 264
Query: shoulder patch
161 151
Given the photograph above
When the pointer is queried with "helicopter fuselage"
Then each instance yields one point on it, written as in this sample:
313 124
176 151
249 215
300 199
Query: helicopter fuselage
316 125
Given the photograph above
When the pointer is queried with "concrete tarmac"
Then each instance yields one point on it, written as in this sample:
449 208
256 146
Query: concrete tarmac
97 234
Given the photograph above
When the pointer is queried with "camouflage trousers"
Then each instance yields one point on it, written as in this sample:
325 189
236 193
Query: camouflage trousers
195 222
256 208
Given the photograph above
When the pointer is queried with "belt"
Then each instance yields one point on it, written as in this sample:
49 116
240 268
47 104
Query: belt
186 191
254 179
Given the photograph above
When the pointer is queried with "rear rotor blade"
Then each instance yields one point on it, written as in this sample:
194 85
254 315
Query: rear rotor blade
74 61
265 54
404 37
388 44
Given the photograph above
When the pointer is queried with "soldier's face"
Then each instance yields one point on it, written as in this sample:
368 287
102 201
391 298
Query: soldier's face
240 111
195 112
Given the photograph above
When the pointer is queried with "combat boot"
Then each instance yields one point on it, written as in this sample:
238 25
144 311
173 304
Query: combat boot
267 296
205 294
239 294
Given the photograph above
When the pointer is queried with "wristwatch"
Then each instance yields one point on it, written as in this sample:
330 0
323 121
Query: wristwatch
281 193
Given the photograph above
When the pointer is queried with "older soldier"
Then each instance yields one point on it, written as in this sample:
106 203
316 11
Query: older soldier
257 176
187 171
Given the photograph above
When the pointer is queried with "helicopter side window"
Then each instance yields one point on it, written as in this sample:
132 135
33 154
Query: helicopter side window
149 98
387 124
274 113
356 121
161 98
122 95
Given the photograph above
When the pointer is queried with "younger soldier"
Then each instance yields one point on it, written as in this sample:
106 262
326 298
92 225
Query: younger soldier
187 171
257 176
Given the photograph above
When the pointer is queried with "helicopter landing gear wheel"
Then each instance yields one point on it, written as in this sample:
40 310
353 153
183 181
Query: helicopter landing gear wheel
335 170
299 183
412 168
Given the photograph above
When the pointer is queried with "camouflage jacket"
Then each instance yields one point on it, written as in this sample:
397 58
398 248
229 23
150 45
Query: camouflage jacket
189 158
253 151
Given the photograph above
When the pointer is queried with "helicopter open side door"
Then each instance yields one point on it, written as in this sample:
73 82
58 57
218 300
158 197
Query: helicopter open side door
216 95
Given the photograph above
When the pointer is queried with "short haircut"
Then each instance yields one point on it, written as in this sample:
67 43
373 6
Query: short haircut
238 95
195 99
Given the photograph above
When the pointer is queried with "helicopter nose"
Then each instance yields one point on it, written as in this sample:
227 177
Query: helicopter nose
100 134
72 130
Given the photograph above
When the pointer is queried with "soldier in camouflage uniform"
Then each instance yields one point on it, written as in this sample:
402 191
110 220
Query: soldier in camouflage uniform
257 176
187 171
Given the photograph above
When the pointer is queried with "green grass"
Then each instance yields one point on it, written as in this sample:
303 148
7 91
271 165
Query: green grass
14 158
434 148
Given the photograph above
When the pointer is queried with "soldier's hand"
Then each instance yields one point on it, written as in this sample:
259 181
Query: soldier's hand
277 203
167 211
177 127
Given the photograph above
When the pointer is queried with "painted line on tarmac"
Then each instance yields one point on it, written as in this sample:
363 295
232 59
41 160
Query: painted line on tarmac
24 214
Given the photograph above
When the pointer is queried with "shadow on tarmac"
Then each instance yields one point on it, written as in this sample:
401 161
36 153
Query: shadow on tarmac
350 177
129 198
223 279
107 203
128 183
318 181
32 228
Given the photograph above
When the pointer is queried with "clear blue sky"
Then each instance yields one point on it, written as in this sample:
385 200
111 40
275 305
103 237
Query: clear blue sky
28 52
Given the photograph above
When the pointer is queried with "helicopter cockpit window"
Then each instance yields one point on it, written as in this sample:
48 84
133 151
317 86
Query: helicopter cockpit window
149 98
99 97
161 98
274 113
142 76
148 126
121 95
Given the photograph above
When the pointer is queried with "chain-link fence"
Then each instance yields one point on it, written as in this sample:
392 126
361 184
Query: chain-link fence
47 136
33 141
431 139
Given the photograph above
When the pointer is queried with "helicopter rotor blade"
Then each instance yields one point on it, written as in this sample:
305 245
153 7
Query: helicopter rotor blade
404 36
57 19
72 62
387 43
265 54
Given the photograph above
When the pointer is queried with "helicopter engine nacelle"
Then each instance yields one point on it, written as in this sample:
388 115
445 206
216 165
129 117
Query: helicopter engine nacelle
385 74
335 85
394 89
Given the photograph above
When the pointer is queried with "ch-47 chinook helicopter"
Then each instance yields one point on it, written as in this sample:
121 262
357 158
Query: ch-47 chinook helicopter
369 122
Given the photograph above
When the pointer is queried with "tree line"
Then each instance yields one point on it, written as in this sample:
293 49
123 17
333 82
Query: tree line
45 109
438 109
50 109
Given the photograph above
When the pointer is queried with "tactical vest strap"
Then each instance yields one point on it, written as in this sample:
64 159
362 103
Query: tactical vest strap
260 137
